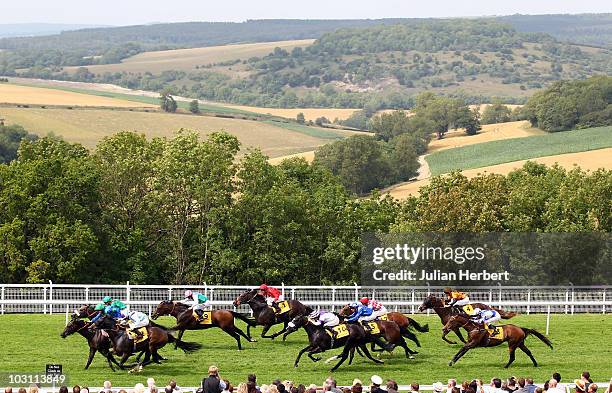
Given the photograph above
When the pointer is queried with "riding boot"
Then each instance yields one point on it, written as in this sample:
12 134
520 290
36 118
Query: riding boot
332 335
200 315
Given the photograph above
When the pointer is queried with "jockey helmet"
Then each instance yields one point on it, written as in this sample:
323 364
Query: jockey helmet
448 290
99 307
315 314
263 287
354 305
364 301
188 294
107 299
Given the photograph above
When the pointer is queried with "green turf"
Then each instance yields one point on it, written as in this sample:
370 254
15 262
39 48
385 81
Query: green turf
311 131
582 342
508 150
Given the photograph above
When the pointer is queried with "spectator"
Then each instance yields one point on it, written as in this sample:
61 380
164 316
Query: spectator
273 389
438 387
251 387
242 388
586 377
553 388
609 390
392 386
414 387
264 388
122 391
511 386
85 389
63 389
451 385
376 382
22 390
279 386
213 384
138 388
592 388
495 386
107 387
301 388
312 388
330 386
253 378
456 390
8 390
77 389
33 389
168 389
357 386
580 386
173 385
529 385
522 386
557 377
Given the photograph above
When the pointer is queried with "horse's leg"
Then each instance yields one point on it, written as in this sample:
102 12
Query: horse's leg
369 355
265 330
446 339
297 359
351 356
179 338
411 336
408 351
283 330
343 357
524 348
246 336
462 352
92 352
232 332
512 349
458 333
373 348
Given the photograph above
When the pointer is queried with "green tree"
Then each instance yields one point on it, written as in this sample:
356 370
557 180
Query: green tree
167 102
194 107
10 138
496 113
300 118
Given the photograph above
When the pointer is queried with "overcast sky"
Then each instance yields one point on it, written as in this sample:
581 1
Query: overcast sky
125 12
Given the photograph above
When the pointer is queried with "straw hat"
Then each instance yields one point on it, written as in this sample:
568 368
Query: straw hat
438 387
376 380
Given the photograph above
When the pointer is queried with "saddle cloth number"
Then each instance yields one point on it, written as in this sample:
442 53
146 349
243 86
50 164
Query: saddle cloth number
468 309
134 336
384 317
283 307
371 327
340 331
206 317
497 333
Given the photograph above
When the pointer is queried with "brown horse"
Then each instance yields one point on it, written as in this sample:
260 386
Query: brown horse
97 340
403 321
157 338
445 313
478 337
223 319
266 316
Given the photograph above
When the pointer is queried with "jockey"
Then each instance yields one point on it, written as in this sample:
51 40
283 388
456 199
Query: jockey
455 298
271 294
326 319
486 317
360 312
136 320
378 310
196 301
112 310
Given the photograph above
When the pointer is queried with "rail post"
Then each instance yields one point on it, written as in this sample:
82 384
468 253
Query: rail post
547 319
412 302
356 291
500 294
333 299
428 294
45 300
603 310
2 297
211 297
128 295
87 295
573 298
169 293
529 301
50 297
283 289
566 299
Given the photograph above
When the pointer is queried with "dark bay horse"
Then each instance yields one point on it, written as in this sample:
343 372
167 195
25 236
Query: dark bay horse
445 313
403 321
223 319
515 337
266 316
320 341
157 338
97 340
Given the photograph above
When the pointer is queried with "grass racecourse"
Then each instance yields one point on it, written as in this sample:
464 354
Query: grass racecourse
581 342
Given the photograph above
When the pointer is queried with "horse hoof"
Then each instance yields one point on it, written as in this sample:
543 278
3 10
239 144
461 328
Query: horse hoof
450 363
411 357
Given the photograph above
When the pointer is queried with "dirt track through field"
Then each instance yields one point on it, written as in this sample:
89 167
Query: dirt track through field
587 160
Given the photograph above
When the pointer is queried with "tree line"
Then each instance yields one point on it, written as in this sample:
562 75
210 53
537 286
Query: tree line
185 210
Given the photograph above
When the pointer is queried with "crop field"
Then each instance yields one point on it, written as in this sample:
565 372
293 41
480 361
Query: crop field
291 113
587 160
89 126
30 342
502 151
30 95
188 59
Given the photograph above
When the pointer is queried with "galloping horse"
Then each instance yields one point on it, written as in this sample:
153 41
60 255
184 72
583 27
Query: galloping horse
445 313
266 316
514 335
157 338
97 340
404 322
320 341
223 319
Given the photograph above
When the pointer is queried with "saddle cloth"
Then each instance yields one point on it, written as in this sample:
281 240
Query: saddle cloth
468 309
497 333
371 327
339 331
206 317
132 334
282 307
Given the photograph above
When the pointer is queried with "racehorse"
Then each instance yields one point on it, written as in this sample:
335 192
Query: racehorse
320 341
403 321
97 340
266 316
445 313
514 335
223 319
157 338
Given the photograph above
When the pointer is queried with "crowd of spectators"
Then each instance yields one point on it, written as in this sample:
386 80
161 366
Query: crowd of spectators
215 383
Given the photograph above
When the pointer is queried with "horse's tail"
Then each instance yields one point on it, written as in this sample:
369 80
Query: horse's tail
187 347
416 325
505 314
244 318
539 335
